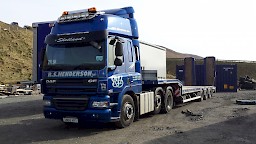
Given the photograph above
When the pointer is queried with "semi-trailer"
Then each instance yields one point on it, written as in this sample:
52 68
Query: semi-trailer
92 67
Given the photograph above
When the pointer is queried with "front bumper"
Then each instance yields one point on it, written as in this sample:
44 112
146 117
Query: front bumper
101 115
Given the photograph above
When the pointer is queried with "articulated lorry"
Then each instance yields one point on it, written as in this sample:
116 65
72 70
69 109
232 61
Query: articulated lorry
92 67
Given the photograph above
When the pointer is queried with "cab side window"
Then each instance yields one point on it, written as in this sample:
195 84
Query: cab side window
130 51
137 53
111 54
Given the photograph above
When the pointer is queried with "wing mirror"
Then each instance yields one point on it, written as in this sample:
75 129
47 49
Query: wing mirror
118 62
119 49
112 41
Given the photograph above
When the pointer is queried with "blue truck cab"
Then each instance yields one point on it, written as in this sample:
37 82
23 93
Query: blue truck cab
89 64
85 67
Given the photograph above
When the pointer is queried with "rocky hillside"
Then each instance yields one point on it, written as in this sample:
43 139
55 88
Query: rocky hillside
173 54
15 53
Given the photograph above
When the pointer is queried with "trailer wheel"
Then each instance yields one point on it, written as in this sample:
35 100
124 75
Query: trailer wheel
158 100
200 99
168 102
127 112
209 94
204 95
254 87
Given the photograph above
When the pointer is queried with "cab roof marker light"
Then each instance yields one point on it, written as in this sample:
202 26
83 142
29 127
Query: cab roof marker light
81 15
92 10
65 13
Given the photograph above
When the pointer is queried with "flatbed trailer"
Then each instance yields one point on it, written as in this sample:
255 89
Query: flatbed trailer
190 93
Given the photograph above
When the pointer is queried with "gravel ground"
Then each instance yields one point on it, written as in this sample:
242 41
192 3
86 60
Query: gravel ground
216 120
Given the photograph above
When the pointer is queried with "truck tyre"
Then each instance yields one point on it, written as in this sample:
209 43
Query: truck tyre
167 104
209 94
200 99
158 100
254 87
127 112
204 95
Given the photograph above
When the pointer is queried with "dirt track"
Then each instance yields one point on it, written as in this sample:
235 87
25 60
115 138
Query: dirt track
216 120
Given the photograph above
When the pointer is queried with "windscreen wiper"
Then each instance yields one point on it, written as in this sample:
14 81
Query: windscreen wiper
95 45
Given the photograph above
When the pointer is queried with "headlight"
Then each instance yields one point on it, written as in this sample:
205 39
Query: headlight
47 103
101 104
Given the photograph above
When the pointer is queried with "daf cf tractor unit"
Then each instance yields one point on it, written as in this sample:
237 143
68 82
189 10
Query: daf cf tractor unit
93 68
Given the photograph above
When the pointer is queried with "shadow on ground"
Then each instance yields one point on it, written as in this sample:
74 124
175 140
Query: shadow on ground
38 130
236 130
20 109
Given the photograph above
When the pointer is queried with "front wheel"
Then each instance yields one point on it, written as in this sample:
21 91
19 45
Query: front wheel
127 112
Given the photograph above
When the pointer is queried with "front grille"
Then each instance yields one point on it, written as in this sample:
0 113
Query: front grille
75 104
69 90
72 86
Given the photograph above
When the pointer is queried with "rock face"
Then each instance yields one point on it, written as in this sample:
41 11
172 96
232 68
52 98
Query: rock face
15 53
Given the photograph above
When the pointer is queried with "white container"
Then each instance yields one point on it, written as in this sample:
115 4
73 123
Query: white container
153 57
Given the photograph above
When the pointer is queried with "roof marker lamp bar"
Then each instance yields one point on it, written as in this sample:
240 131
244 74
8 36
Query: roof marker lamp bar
78 16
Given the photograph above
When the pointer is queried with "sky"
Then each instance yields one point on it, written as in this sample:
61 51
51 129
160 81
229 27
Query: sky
225 29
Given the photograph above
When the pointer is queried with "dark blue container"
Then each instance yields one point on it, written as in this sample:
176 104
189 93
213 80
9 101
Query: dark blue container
226 78
200 75
180 73
43 30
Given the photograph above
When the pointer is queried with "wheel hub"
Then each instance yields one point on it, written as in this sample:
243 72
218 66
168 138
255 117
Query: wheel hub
158 101
128 110
169 102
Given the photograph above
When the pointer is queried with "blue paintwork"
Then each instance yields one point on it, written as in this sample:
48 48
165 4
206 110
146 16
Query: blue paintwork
90 114
99 115
120 26
128 13
42 30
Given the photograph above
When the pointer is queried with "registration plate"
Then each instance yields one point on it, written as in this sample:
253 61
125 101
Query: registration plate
70 119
